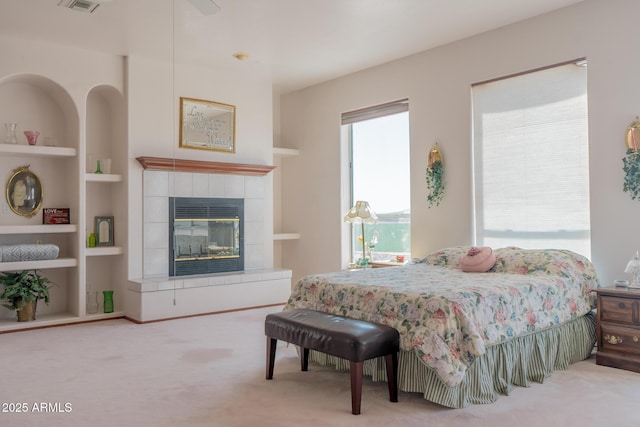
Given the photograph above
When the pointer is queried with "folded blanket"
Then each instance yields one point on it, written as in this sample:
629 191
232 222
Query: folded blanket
13 253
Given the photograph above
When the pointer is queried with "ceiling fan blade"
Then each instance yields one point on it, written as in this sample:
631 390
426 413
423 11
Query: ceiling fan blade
206 7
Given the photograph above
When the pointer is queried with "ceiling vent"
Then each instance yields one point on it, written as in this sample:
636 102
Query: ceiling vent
80 5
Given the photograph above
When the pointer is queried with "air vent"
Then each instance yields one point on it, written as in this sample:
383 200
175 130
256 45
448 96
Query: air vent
80 5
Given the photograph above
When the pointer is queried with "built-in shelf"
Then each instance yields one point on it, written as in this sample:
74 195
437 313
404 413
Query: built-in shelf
285 152
39 265
105 250
286 236
102 177
180 165
38 229
36 150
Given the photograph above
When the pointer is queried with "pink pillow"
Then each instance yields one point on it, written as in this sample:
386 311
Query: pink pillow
478 260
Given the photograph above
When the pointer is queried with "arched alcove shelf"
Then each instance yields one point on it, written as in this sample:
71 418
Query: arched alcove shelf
36 102
105 193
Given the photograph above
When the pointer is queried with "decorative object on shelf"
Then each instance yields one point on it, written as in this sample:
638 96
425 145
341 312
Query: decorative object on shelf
633 268
92 302
361 213
10 133
24 192
91 240
98 167
108 301
56 216
435 181
32 136
105 165
631 161
104 231
28 252
22 290
207 125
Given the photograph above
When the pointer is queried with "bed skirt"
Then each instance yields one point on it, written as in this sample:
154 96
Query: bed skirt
517 362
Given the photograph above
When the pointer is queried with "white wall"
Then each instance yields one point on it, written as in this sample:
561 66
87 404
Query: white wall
155 88
437 83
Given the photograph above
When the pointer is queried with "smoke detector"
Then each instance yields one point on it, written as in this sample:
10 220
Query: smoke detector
81 5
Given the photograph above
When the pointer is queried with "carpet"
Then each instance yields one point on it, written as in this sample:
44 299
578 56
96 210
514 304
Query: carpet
210 371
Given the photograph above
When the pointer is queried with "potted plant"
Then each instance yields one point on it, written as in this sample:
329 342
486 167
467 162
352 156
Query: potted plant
22 290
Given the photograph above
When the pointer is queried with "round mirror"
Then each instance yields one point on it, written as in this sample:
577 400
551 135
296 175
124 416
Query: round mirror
24 192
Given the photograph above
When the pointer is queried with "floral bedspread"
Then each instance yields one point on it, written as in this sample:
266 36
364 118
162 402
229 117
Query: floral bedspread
448 317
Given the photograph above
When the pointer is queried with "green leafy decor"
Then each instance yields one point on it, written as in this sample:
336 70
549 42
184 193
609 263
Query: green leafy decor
19 288
631 168
435 183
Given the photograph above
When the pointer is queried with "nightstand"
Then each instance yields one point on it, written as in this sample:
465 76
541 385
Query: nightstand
618 329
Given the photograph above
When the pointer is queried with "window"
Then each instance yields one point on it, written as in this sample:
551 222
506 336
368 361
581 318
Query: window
531 160
379 150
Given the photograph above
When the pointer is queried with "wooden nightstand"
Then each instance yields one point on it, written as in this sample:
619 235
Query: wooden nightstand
618 330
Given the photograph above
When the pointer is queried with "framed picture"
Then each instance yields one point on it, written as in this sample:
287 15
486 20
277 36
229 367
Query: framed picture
24 192
207 125
104 231
55 216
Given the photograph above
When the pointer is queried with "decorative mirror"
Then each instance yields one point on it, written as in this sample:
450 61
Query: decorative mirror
24 192
631 160
632 136
207 125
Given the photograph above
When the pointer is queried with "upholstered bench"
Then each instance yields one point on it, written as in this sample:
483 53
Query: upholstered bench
350 339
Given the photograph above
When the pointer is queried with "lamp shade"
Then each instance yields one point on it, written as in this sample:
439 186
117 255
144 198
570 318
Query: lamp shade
361 213
633 268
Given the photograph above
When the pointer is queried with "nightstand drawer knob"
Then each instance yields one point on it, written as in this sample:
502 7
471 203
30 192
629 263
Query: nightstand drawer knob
612 339
635 339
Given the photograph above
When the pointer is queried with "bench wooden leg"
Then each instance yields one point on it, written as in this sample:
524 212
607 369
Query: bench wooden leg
271 356
356 368
304 359
392 375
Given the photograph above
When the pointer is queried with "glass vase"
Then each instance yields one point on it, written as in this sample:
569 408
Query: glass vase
32 136
92 302
108 301
10 133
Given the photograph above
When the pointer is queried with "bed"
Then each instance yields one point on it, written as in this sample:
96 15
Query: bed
467 338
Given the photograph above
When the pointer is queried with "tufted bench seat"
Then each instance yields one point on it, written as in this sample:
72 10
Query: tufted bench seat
350 339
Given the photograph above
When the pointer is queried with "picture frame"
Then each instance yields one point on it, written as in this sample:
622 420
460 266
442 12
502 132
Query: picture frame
207 125
24 192
104 230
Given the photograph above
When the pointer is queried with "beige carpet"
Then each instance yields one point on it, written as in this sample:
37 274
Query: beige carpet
209 371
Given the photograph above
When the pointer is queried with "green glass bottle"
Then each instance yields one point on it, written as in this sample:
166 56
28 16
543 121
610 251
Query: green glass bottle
91 241
99 168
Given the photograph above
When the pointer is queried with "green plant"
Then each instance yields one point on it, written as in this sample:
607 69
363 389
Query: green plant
21 287
435 184
631 168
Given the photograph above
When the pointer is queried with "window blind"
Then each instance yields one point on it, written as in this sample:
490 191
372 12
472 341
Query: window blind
531 160
375 112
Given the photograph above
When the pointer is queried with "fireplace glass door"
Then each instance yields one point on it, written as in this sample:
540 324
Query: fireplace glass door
206 236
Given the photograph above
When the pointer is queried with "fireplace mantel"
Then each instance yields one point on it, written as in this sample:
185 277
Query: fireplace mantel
180 165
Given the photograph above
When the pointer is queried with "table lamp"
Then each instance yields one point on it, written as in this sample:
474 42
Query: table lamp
633 268
361 213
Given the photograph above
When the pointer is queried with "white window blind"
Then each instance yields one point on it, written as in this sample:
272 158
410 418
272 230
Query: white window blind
531 160
377 111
